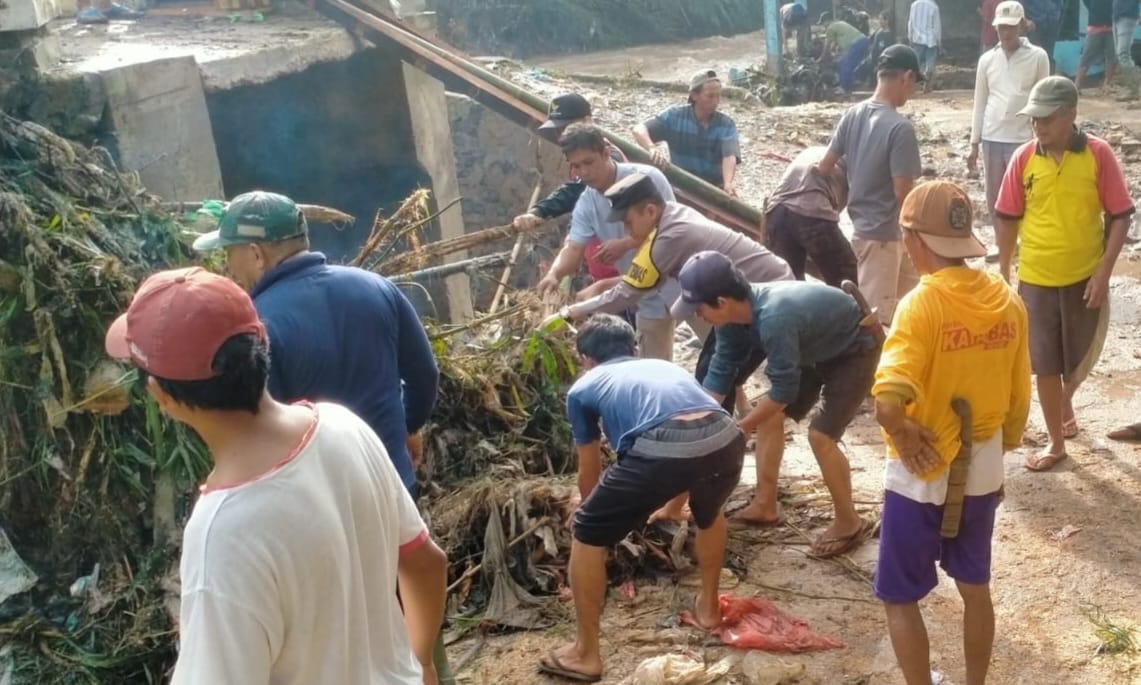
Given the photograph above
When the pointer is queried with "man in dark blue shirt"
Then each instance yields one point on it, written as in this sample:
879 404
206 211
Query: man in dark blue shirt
339 334
671 438
817 349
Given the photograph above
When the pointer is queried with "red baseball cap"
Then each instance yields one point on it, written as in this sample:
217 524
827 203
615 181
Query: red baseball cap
177 322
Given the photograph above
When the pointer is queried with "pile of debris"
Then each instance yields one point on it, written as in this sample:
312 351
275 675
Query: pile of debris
89 472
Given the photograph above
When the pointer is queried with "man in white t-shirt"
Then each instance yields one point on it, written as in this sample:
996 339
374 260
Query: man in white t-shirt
303 530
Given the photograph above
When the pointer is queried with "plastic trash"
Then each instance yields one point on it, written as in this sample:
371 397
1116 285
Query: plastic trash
756 623
15 576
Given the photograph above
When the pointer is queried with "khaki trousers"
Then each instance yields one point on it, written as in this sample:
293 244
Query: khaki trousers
886 274
656 336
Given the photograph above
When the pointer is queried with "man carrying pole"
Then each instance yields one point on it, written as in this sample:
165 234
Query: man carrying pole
952 395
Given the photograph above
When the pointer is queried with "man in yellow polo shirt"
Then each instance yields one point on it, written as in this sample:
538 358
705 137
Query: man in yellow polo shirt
960 334
1066 202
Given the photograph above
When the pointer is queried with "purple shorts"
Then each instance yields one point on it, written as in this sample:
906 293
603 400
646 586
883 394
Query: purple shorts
910 546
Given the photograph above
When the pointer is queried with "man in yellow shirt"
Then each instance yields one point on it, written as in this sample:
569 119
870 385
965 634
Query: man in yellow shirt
1065 199
961 333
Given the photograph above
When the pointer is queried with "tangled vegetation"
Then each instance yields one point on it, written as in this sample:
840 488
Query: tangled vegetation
91 476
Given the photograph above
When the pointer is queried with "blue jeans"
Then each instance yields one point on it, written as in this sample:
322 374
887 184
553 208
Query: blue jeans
926 55
846 66
1123 30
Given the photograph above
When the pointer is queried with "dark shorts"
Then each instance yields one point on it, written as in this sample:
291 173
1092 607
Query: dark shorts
841 385
1064 332
797 238
1099 48
745 369
634 487
910 546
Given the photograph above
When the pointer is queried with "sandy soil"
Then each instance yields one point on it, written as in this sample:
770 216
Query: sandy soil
1042 576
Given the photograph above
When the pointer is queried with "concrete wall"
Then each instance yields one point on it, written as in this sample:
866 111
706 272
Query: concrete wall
158 126
433 148
498 163
343 134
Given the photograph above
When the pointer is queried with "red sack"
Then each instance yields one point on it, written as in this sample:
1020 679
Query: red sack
756 623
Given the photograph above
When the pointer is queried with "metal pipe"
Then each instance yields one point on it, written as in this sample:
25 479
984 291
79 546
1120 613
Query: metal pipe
452 268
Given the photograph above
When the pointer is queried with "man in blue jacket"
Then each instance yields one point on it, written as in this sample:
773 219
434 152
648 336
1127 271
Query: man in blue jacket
338 334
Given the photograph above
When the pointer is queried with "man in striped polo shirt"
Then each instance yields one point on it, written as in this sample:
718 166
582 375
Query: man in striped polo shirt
702 140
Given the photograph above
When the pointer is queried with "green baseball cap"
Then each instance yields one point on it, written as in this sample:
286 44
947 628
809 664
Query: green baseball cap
255 217
1049 95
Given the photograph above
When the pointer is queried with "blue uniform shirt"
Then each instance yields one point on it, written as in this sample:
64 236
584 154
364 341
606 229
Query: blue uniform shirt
630 396
349 336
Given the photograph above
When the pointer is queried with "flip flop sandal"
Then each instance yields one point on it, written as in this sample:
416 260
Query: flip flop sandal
1044 462
1130 433
551 665
845 543
1070 429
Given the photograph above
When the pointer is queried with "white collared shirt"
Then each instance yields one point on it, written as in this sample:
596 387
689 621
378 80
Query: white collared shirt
1002 87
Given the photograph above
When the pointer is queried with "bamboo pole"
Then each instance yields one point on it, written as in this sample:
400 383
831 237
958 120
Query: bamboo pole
442 248
502 287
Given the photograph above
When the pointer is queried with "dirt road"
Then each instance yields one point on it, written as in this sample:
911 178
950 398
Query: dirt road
1064 540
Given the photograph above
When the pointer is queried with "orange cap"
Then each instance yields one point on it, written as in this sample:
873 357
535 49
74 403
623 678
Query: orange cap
940 213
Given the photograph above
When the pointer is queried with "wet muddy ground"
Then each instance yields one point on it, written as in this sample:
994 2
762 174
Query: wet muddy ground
1064 540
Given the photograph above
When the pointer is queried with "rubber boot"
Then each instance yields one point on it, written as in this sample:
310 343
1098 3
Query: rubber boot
440 660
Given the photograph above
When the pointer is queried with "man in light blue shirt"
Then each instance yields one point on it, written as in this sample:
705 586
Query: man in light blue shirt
671 438
585 149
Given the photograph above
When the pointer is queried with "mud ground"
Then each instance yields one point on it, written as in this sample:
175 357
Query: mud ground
1063 540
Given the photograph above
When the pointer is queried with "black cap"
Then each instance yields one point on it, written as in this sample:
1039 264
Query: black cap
629 191
703 276
900 57
566 109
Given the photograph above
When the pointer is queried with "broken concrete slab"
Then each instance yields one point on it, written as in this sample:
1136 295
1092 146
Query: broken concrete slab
24 15
160 127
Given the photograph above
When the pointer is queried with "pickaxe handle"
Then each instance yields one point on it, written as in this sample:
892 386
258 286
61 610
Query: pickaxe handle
871 319
957 477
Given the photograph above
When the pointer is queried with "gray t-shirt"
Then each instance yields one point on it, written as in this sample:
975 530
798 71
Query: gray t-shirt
809 193
878 144
681 233
591 218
